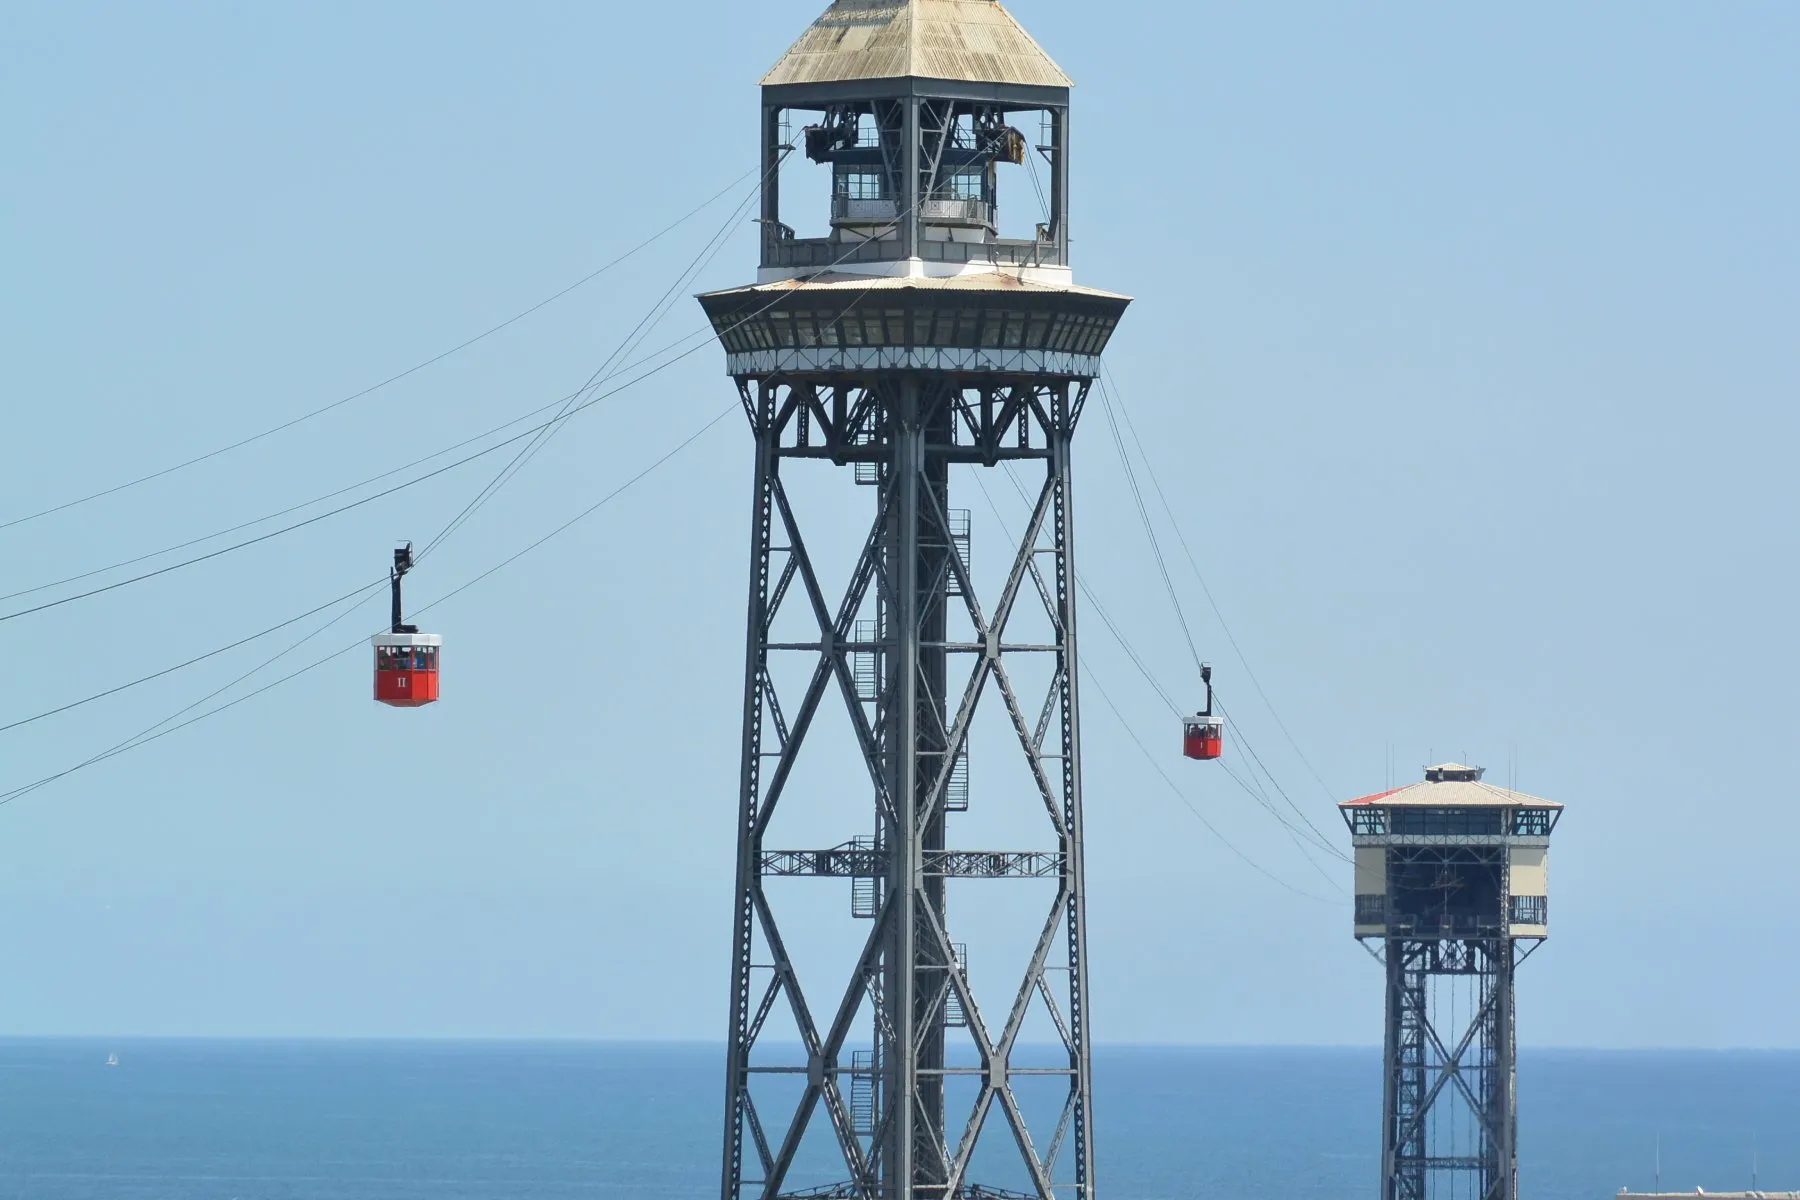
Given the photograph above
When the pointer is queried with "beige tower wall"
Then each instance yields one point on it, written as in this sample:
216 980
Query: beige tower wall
1371 871
1530 871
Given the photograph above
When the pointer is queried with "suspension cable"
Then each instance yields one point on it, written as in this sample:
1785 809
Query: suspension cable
1188 804
563 417
646 324
369 588
1194 565
1136 661
703 332
156 731
1323 839
282 512
437 541
1137 496
392 379
165 727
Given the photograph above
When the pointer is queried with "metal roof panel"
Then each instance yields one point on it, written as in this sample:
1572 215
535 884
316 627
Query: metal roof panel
972 41
1452 793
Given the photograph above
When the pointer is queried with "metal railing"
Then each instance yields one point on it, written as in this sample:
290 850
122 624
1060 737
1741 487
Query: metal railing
977 214
802 253
849 210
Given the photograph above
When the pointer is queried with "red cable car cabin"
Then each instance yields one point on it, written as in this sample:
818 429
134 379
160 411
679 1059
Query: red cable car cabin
406 661
406 668
1203 737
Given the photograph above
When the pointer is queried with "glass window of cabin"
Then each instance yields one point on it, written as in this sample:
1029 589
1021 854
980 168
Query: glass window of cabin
1098 328
1014 336
1037 330
968 323
1368 821
991 324
861 185
962 185
1449 822
1079 333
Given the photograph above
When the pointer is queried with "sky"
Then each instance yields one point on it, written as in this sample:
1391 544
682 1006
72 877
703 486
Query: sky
1463 344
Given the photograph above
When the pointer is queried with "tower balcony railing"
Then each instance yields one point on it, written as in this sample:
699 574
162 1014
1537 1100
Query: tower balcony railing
965 213
822 254
957 211
1443 925
852 210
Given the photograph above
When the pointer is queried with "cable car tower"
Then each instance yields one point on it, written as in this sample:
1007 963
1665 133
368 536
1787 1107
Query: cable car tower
1452 882
909 345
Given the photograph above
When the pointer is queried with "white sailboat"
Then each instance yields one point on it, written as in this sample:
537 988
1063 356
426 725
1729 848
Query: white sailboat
112 1060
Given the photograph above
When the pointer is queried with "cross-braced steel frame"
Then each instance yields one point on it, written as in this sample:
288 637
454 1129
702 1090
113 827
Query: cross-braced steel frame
1431 1071
886 1108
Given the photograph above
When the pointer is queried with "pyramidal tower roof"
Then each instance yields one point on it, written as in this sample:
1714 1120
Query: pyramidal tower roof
974 41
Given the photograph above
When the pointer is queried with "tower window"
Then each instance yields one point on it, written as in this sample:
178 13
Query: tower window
861 185
1531 822
962 185
1448 822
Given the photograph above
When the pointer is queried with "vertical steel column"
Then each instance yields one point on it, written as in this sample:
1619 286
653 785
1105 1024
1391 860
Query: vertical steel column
771 181
1505 1101
906 862
1390 1072
929 750
1403 1135
758 404
1059 180
909 167
1075 878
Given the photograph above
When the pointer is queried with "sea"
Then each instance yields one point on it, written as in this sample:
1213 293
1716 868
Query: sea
390 1120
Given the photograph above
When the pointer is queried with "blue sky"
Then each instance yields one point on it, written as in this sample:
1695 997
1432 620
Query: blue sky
1464 342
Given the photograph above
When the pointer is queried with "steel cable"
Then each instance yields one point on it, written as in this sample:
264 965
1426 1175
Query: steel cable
164 727
375 387
1194 566
1136 661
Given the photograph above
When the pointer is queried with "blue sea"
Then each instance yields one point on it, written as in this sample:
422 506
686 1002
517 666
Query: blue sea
274 1120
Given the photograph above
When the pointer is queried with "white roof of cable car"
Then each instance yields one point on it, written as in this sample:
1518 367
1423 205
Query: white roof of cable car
974 41
407 639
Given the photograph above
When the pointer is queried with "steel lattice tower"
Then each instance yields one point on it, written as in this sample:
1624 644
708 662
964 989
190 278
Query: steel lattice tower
911 344
1452 883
